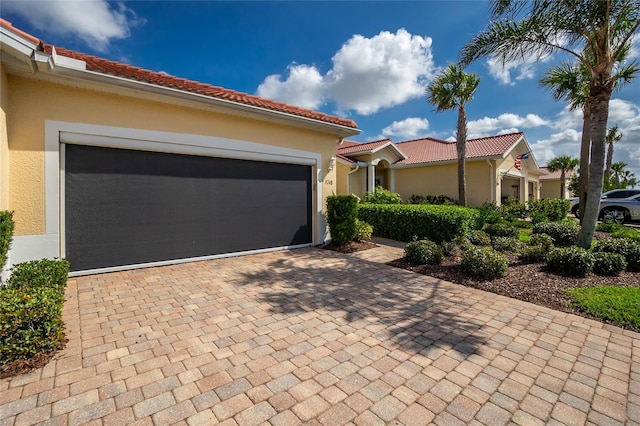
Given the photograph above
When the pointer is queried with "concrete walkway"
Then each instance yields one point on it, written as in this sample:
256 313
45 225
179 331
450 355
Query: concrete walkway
317 337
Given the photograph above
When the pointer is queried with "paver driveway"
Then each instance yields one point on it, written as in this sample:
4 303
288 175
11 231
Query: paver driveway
313 336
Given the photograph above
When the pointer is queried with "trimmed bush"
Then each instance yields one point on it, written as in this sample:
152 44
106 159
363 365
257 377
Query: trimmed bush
505 244
431 199
484 263
363 230
31 309
478 238
551 209
403 222
489 213
423 252
382 196
450 248
627 248
512 208
6 235
610 264
564 234
536 254
574 261
502 230
342 212
543 240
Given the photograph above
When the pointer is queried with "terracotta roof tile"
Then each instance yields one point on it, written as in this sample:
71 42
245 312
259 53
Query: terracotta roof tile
109 67
430 150
554 175
354 147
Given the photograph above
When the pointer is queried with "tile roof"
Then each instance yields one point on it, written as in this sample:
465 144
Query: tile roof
109 67
355 147
430 150
554 175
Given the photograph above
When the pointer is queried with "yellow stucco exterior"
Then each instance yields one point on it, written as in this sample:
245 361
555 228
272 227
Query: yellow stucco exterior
4 139
27 103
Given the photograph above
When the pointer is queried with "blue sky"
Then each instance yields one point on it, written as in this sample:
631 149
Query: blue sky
368 61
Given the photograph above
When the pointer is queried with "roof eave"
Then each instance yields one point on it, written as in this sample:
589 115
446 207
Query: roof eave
444 162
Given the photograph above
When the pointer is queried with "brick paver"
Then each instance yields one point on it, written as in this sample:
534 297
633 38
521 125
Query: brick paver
314 336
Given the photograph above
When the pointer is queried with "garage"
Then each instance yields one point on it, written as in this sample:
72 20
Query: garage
131 207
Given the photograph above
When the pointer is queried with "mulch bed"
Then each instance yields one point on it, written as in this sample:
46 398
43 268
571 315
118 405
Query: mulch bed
23 366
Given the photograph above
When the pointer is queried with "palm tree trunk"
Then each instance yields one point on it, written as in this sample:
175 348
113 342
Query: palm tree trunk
600 96
461 148
607 172
585 158
563 184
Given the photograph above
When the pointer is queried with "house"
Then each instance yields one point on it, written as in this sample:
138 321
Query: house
550 184
428 166
113 166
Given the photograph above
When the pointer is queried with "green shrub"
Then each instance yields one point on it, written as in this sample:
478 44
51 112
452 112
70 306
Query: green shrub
607 226
478 237
484 263
489 213
450 248
31 309
535 254
512 208
564 233
573 261
521 224
551 209
505 244
543 240
502 230
431 199
627 248
402 222
618 304
626 233
341 217
423 252
610 264
382 196
363 230
6 235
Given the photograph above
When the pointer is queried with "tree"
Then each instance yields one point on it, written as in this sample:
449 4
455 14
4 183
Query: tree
626 176
564 163
632 182
613 136
453 89
617 171
597 33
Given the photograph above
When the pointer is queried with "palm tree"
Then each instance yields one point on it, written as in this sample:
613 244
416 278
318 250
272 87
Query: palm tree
625 176
617 170
564 163
632 182
451 89
613 136
597 33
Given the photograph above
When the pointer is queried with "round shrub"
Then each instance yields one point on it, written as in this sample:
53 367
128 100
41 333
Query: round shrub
536 254
543 240
484 263
574 261
423 252
363 230
502 230
505 244
478 238
450 248
564 234
627 248
610 264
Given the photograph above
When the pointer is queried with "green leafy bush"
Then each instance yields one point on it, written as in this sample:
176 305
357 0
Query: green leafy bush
535 254
363 230
573 261
341 217
505 244
502 230
484 263
431 199
512 208
478 237
6 235
423 252
489 213
564 233
543 240
627 248
382 196
551 209
610 264
521 224
31 309
618 304
402 222
607 226
450 248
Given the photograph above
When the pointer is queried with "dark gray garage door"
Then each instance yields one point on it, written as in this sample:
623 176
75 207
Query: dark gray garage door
125 207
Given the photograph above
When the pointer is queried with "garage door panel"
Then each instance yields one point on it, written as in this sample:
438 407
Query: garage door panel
125 207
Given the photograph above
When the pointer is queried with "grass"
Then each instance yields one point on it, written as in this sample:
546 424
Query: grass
619 231
525 235
619 304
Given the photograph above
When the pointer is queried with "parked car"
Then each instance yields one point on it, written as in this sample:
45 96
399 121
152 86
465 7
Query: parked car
614 193
620 210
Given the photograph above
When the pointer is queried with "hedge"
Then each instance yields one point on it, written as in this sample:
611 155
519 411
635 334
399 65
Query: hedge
341 217
403 222
6 235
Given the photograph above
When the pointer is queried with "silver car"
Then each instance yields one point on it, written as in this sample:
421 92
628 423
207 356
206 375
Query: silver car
613 194
620 210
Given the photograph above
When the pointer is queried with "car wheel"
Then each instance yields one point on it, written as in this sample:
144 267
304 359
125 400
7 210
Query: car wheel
618 216
576 212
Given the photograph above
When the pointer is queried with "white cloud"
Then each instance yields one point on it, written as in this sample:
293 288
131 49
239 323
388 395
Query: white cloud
409 128
511 122
524 69
96 22
566 142
368 74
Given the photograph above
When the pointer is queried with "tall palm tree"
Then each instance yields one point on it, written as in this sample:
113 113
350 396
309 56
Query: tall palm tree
453 89
597 33
617 171
613 136
632 182
564 163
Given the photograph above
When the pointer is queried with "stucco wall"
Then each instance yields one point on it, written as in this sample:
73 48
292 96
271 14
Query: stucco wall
550 189
342 179
31 102
4 142
443 179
